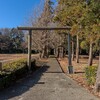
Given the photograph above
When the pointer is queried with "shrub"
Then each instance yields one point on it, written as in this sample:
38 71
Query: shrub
13 71
13 66
84 45
90 74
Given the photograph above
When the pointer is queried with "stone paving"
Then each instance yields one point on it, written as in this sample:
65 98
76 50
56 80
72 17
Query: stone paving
48 83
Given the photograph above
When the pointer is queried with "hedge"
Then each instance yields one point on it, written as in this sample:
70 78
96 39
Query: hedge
14 71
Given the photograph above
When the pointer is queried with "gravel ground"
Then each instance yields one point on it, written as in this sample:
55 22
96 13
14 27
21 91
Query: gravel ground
48 83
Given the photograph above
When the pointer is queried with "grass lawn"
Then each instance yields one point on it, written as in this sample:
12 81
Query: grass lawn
14 56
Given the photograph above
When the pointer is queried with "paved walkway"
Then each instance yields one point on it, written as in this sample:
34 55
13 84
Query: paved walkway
48 83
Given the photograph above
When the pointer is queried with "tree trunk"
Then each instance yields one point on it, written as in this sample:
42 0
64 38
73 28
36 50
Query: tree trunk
61 52
47 52
39 55
77 49
97 84
90 55
43 52
72 50
56 52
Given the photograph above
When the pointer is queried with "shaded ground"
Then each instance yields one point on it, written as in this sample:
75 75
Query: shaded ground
48 83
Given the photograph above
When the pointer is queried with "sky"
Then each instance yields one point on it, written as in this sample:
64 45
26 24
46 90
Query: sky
14 13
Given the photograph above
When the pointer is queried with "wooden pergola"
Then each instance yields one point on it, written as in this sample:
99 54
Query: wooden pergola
70 68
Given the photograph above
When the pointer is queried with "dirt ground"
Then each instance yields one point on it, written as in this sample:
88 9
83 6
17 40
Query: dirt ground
79 75
13 56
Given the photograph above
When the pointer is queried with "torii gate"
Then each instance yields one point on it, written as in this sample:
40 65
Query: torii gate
70 67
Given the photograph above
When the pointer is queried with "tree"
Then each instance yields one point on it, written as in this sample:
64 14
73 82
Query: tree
16 38
86 16
43 38
45 20
4 40
11 40
91 24
69 12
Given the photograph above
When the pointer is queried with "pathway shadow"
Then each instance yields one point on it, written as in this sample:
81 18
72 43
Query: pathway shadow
79 72
23 85
53 72
81 62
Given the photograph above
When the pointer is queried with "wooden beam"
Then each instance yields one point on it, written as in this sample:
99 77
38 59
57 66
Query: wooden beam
44 28
29 49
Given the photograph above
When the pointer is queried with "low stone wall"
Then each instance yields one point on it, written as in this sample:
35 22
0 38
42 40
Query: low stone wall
5 62
0 66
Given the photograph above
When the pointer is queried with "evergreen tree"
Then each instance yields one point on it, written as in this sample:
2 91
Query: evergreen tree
91 25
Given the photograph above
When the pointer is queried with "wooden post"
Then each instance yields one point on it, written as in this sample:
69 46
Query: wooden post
29 49
70 67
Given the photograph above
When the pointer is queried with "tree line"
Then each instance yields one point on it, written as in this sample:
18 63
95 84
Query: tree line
12 41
